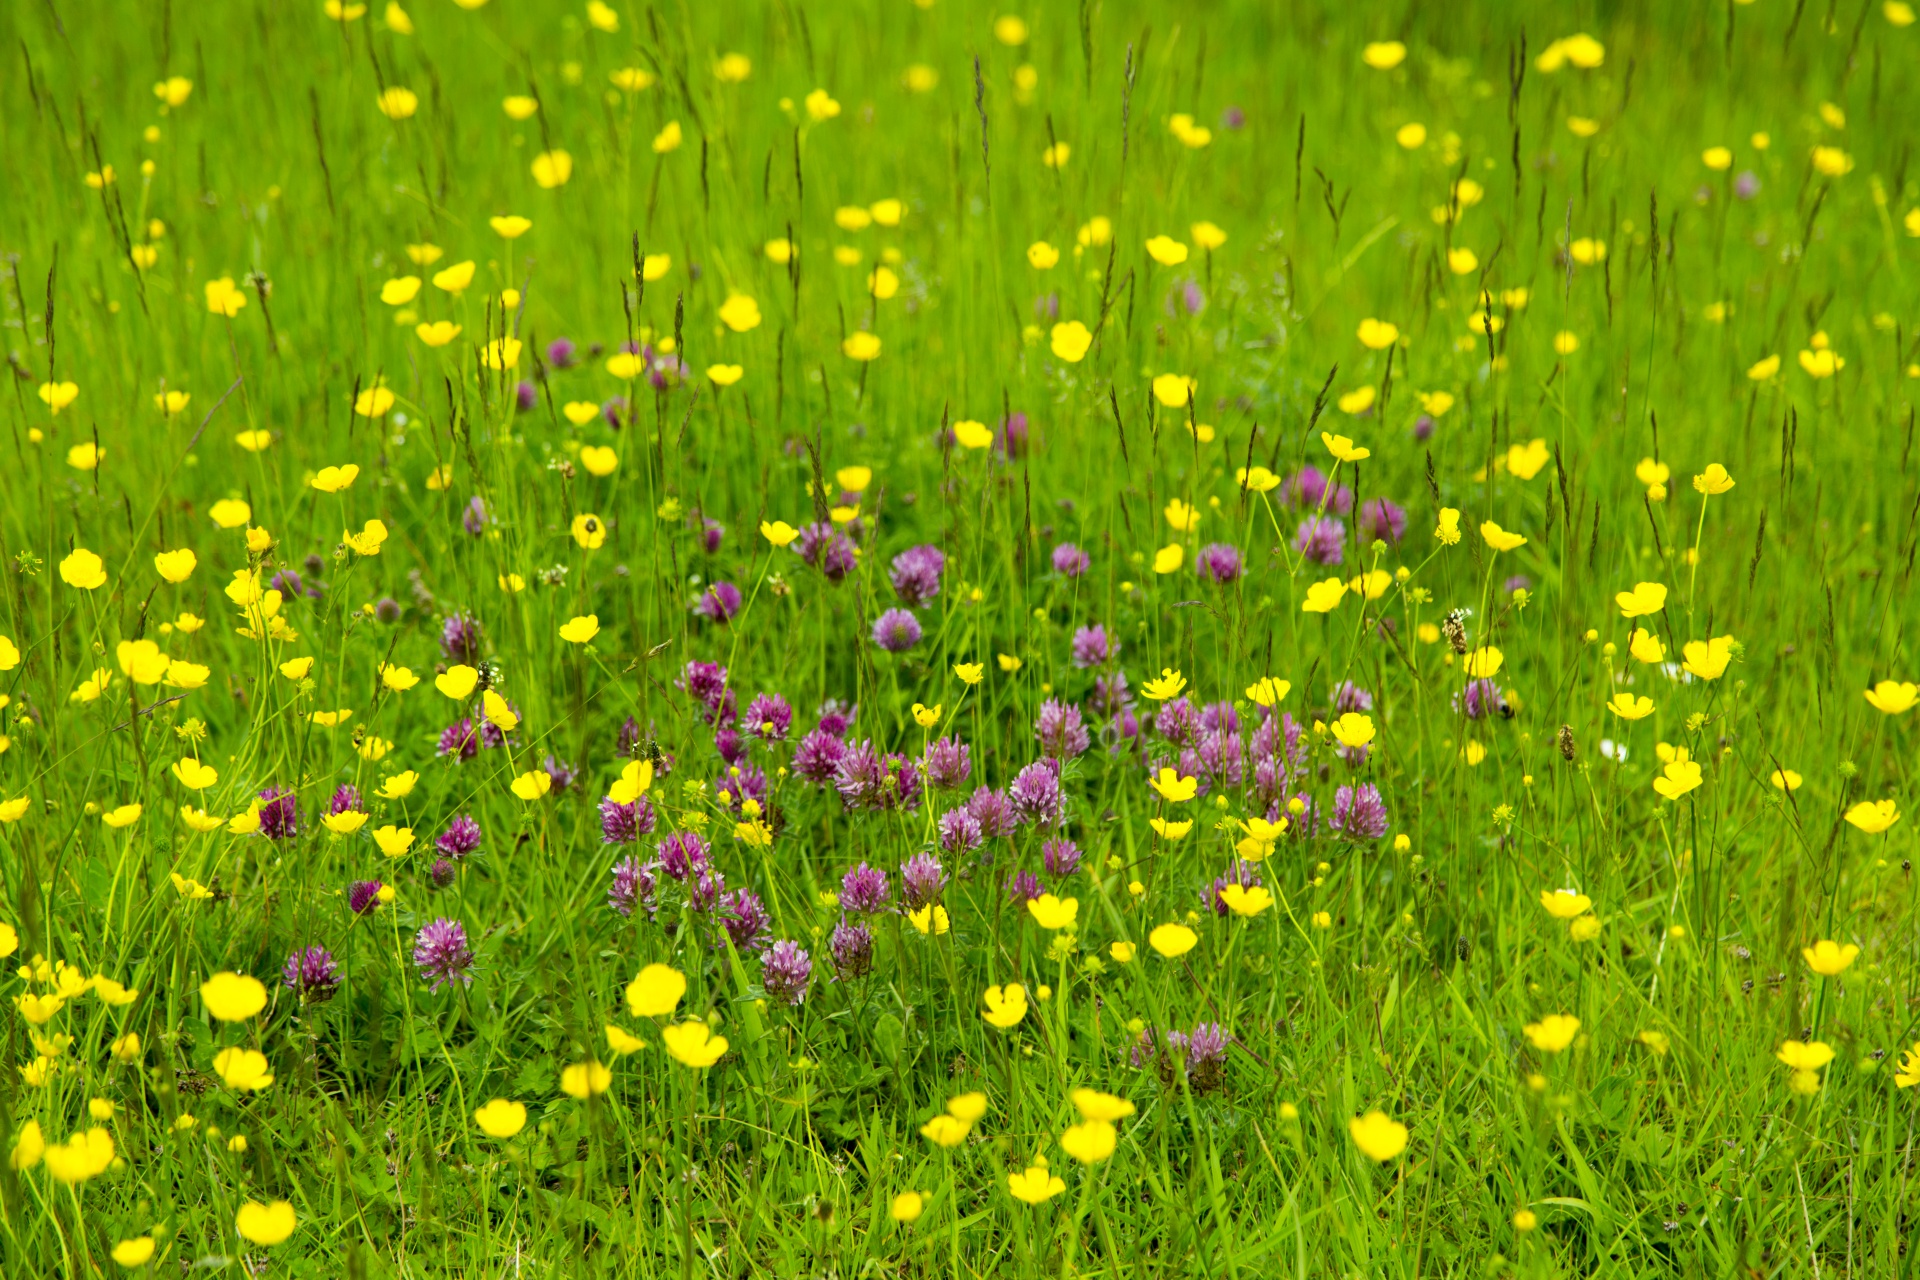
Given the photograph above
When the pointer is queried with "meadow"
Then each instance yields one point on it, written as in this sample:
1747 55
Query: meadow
932 638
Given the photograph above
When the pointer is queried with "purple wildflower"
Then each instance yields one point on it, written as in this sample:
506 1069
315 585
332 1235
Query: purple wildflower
1480 699
706 684
683 854
1206 1052
1060 857
363 896
460 839
345 799
311 974
1308 488
826 549
561 353
818 756
786 971
1036 795
719 603
852 948
1070 561
441 954
867 779
1110 694
1321 539
561 772
916 575
474 518
948 763
769 717
279 814
441 873
896 631
1218 562
959 832
458 739
524 396
1178 722
864 890
922 879
1092 648
1348 696
993 812
625 823
460 639
1025 887
1423 428
1060 731
1359 813
1383 520
1011 440
836 717
745 919
632 884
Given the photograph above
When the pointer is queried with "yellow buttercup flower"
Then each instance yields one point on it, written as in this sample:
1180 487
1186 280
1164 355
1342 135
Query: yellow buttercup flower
1035 1185
1828 958
1379 1137
1552 1033
692 1044
1353 729
656 992
266 1224
1874 816
1167 684
1893 697
1172 940
1500 539
501 1118
1344 449
1323 596
1053 913
1006 1005
233 997
1174 788
1565 904
1645 598
1090 1141
585 1079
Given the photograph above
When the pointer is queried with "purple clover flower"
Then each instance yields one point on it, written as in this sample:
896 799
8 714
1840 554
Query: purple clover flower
632 885
279 814
1218 562
1093 648
719 603
311 974
1321 539
922 879
786 972
769 718
1060 731
852 950
916 574
1359 813
896 631
864 890
441 954
460 839
1070 561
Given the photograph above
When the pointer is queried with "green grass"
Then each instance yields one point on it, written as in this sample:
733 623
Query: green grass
1396 974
